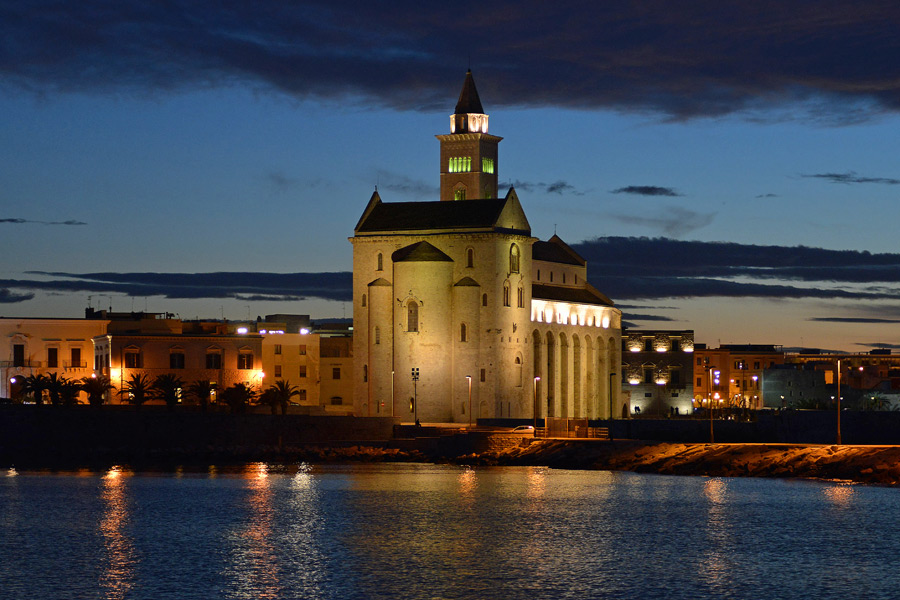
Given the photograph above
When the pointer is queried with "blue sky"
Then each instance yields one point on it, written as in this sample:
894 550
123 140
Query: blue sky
246 138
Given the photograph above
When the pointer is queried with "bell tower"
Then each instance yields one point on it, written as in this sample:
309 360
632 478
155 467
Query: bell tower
468 153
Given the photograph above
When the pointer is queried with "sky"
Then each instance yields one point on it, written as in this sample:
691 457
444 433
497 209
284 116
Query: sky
724 166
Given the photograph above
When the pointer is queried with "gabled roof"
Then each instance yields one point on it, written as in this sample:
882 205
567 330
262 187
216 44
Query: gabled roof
469 102
577 295
556 251
495 214
467 282
420 252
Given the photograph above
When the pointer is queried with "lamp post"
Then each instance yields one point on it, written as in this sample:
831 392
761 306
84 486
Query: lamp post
839 402
415 379
392 393
536 379
469 380
755 379
712 372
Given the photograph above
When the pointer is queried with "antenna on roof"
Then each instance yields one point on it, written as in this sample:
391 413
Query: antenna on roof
554 229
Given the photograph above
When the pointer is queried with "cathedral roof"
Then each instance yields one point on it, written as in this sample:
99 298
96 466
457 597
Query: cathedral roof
469 102
578 295
556 251
467 282
390 217
420 252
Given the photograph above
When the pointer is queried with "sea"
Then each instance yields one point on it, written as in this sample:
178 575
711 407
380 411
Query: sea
424 531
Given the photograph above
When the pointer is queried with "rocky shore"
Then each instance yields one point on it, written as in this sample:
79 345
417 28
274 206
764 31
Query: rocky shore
878 465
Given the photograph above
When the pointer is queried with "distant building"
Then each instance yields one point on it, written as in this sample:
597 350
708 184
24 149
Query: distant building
36 346
741 374
657 369
460 313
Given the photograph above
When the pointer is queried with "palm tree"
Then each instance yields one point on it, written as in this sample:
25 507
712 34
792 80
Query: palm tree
68 392
35 386
55 385
96 387
238 397
168 388
269 397
138 389
202 390
283 391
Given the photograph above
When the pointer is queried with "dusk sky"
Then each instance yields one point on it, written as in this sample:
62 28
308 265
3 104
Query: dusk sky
728 166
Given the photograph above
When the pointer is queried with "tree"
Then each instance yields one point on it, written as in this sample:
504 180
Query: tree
138 389
68 392
282 391
168 387
34 385
55 385
237 397
202 390
95 388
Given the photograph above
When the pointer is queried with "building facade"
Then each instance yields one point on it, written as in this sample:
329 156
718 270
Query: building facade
459 313
657 368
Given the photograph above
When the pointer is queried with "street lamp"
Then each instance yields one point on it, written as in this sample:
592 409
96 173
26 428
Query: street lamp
755 378
469 380
839 402
713 376
415 379
536 379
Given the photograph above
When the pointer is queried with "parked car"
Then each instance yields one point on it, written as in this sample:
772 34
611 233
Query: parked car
524 429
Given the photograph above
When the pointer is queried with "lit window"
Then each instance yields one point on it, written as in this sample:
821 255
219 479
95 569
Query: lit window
487 165
459 194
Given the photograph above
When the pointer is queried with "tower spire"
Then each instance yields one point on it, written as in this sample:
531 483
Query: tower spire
469 153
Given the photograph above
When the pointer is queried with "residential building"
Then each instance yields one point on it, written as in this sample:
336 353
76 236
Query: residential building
657 370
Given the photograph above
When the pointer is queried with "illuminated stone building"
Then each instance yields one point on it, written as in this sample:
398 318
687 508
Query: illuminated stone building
458 310
35 346
657 370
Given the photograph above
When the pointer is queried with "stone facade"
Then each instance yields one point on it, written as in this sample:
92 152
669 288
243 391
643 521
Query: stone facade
452 319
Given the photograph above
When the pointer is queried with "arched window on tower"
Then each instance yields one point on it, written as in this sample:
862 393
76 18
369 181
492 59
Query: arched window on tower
463 333
363 299
514 259
459 194
520 296
470 257
412 317
379 266
484 299
506 294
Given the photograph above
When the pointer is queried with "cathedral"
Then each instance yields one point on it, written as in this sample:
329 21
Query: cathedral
459 313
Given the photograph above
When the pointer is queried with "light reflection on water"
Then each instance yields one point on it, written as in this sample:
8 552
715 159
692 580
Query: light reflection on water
430 531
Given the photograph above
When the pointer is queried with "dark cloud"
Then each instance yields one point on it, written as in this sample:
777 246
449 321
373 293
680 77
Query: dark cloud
707 58
640 317
851 177
769 195
22 221
852 320
671 220
646 190
247 286
654 268
557 187
402 184
878 345
7 296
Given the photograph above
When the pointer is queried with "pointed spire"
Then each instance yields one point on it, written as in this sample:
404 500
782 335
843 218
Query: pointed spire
469 102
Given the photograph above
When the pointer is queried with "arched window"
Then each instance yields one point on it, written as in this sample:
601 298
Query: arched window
484 299
412 316
520 295
363 299
459 194
506 294
379 262
463 333
365 373
514 259
470 257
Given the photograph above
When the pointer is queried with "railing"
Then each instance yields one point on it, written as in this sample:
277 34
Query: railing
71 365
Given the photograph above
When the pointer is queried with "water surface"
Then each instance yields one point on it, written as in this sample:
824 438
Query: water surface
432 531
